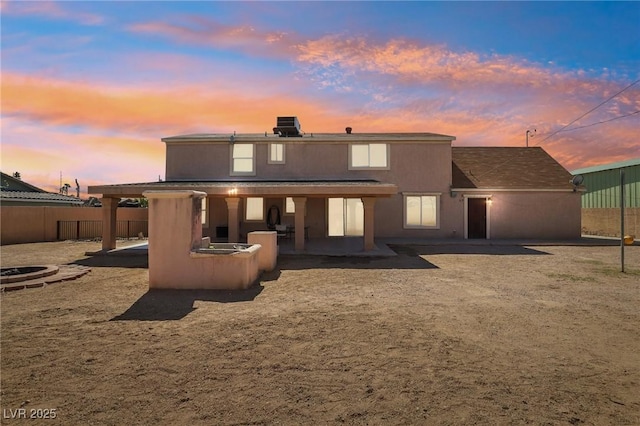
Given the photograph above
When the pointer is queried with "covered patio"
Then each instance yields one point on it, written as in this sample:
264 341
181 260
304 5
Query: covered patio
225 198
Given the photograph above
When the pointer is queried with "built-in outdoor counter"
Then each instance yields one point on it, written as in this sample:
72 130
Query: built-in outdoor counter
225 266
179 258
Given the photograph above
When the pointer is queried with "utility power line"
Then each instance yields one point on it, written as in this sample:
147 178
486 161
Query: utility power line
600 122
582 116
591 110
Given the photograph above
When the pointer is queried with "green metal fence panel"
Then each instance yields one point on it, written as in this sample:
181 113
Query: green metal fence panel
603 188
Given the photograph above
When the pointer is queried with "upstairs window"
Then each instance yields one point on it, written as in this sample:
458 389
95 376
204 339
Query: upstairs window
276 153
243 160
369 156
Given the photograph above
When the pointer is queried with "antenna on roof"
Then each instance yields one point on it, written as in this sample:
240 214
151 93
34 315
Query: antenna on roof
529 132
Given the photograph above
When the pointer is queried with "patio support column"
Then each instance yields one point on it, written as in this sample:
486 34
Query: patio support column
300 205
109 206
232 209
369 204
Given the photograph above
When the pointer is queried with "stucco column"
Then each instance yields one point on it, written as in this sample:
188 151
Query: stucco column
109 206
175 231
300 205
369 204
233 221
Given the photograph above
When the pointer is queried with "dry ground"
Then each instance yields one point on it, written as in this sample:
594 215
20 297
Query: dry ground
437 335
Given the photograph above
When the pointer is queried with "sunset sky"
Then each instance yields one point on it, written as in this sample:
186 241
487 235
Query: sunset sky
89 88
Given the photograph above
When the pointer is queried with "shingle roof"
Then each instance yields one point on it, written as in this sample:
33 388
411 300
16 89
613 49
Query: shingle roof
507 168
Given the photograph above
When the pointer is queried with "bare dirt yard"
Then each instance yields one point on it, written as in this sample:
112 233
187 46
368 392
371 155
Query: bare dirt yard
436 335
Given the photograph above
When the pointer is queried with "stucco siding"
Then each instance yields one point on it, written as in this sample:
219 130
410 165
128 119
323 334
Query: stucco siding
411 165
39 224
197 161
552 215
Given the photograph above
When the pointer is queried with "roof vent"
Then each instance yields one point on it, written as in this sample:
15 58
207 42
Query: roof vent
348 130
287 127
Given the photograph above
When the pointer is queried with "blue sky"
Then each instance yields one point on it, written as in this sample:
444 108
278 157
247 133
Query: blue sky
89 88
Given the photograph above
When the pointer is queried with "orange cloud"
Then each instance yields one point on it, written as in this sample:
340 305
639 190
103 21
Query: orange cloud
176 109
149 114
41 153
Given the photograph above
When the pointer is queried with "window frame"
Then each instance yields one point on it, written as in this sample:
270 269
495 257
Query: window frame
436 195
369 166
286 204
204 212
232 171
270 160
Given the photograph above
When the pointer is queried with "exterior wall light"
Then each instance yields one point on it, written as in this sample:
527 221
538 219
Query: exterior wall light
233 192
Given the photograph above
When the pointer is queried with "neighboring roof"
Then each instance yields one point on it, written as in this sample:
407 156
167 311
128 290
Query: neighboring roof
507 168
308 187
38 197
609 166
15 190
311 137
10 183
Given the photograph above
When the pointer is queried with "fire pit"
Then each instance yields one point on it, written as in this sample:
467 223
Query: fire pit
14 274
19 277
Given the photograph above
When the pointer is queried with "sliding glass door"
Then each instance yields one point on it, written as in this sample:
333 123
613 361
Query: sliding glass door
345 217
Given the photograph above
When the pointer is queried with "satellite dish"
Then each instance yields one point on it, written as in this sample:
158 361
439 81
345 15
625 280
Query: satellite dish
577 180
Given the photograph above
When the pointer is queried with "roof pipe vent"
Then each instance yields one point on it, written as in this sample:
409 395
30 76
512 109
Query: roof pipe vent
348 130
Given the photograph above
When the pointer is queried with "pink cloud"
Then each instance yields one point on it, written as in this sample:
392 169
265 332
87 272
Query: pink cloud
203 31
406 86
151 113
411 63
355 64
49 9
361 66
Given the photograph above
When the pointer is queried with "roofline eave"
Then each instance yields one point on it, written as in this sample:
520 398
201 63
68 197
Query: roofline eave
489 189
344 190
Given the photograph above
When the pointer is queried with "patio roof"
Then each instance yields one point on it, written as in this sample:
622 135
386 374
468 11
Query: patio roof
280 188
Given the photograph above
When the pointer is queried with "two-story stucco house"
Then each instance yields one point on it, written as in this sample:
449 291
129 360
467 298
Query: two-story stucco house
375 185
